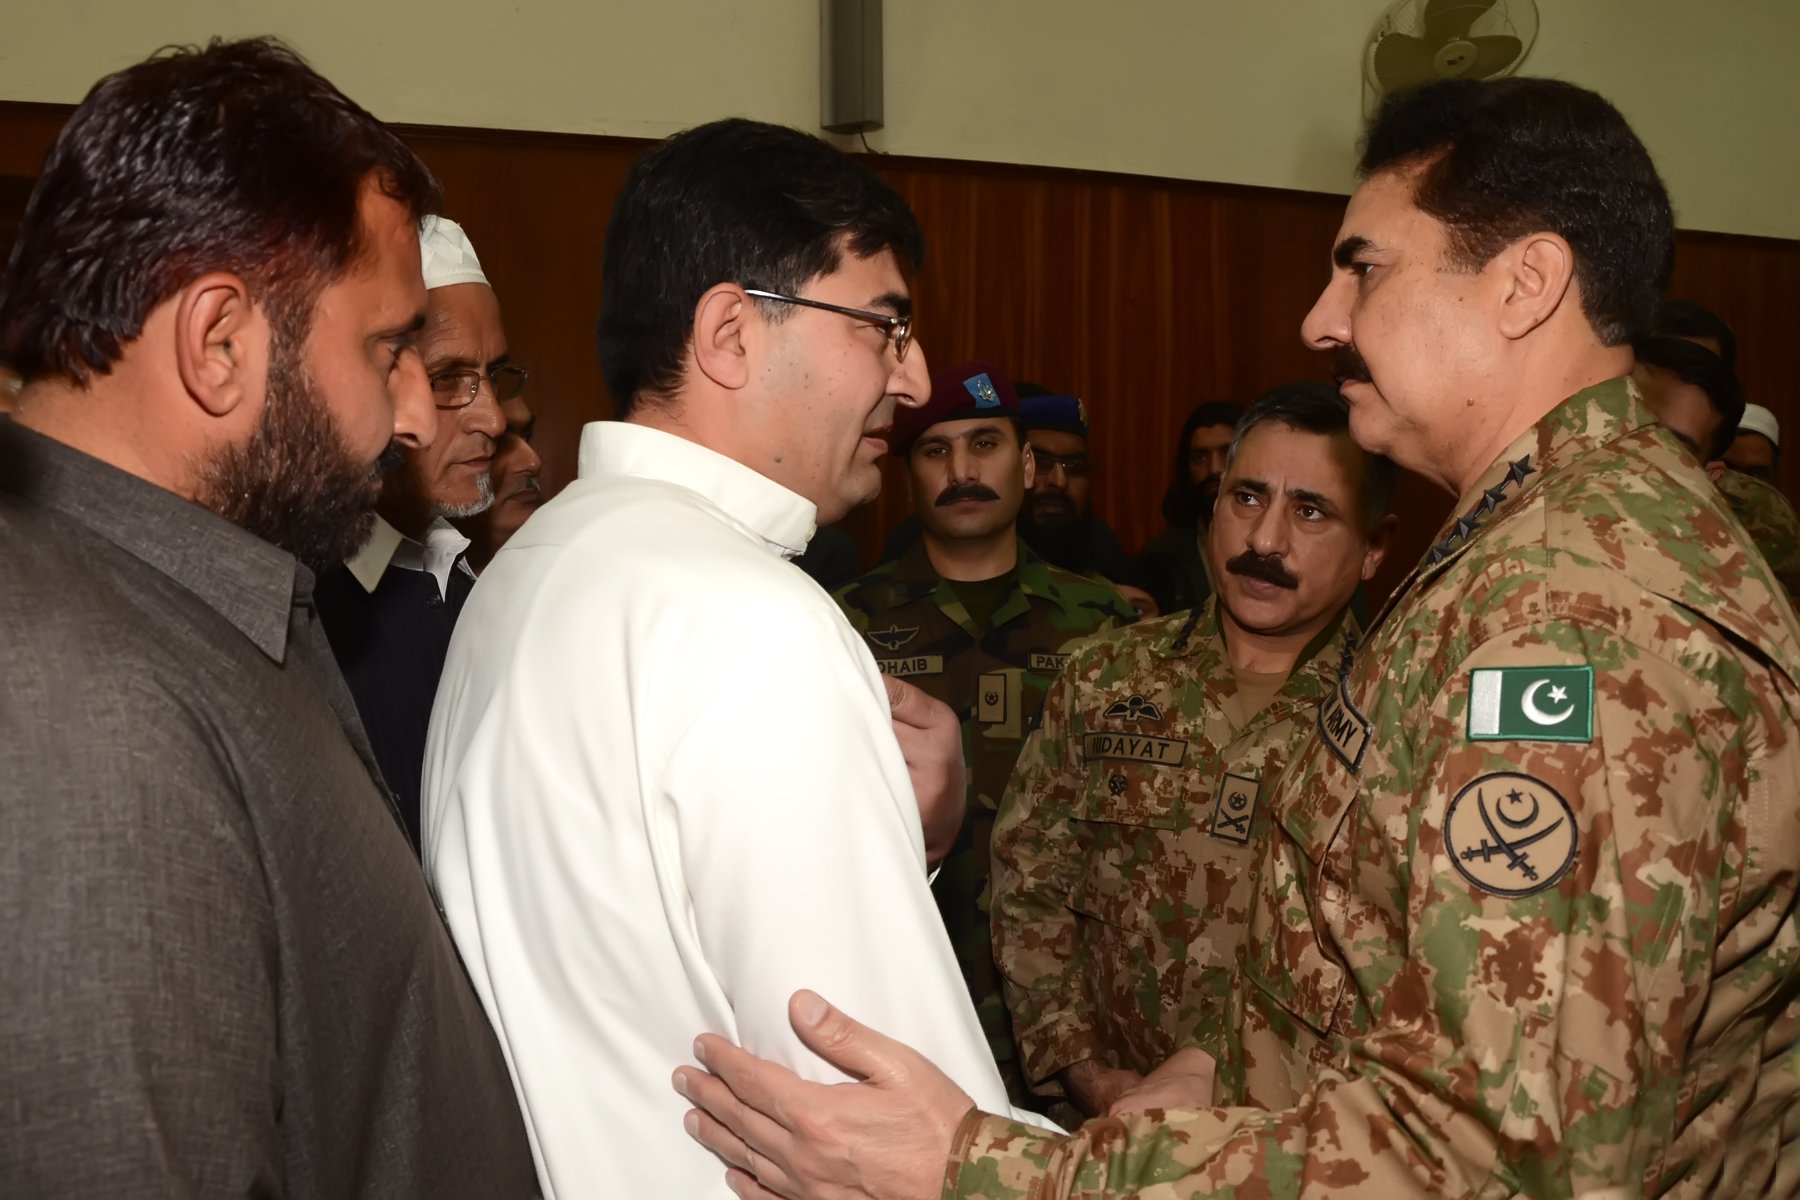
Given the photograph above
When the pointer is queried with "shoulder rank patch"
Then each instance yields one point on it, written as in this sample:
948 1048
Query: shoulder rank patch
1234 809
1510 834
1531 704
893 637
1345 730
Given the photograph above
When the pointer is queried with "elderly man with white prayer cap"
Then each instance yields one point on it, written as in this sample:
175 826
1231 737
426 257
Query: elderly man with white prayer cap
390 609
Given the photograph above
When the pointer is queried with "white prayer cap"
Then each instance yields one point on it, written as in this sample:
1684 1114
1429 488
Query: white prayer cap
1758 419
447 257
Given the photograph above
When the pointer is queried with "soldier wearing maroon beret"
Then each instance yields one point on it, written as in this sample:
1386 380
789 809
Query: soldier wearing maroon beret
976 619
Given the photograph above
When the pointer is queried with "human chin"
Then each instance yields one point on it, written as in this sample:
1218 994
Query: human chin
295 483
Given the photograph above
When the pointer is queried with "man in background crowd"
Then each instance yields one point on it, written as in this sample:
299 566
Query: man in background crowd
1125 851
222 974
1692 392
390 608
976 619
1058 521
1700 325
1175 555
1696 397
517 486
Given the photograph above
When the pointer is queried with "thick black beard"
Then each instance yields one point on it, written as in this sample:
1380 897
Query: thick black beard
295 484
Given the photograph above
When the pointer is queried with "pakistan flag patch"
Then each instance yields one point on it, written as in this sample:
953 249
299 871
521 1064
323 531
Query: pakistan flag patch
1531 704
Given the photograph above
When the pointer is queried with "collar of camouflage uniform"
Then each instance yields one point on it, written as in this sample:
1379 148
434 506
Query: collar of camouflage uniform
1204 622
1589 418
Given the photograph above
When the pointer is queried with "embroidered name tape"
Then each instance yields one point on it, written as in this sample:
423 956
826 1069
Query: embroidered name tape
1531 704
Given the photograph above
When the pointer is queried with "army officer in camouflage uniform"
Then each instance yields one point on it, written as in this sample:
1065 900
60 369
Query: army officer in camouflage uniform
1126 848
974 618
1527 924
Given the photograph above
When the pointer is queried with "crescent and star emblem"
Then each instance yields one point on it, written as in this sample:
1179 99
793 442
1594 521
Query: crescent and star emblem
1536 714
1511 834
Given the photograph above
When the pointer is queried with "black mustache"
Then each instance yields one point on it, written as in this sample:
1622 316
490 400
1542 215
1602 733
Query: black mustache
1266 567
1347 366
958 492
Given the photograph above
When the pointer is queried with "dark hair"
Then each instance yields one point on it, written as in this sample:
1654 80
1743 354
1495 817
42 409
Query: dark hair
1503 158
1685 319
237 157
1181 502
1695 364
735 201
1319 408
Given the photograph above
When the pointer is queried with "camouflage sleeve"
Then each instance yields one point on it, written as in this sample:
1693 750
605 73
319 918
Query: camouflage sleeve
1552 911
1037 862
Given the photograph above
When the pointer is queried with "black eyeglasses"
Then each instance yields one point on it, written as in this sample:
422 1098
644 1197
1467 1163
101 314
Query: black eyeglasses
458 389
899 328
1074 466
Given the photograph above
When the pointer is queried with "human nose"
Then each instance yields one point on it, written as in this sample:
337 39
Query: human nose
530 461
1268 534
415 414
482 414
910 384
962 463
1328 324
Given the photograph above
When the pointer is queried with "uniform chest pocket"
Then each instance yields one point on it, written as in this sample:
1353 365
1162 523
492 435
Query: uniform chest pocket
1131 826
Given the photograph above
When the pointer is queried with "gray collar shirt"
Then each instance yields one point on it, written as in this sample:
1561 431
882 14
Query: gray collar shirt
221 972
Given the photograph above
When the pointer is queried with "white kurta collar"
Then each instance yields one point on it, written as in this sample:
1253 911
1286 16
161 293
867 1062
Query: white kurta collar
785 521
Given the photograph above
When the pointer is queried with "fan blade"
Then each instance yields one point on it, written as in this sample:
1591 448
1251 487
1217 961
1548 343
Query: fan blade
1402 62
1446 20
1493 55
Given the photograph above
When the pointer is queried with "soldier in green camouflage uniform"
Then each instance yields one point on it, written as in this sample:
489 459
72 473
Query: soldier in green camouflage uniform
991 667
1771 522
1527 924
1125 852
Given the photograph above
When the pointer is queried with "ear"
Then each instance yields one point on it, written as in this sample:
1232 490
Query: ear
1030 462
1537 274
1380 538
221 343
726 327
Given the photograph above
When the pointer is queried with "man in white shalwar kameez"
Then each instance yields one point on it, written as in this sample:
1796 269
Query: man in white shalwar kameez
663 789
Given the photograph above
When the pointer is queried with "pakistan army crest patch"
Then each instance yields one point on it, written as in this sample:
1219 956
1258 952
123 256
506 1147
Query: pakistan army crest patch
1510 834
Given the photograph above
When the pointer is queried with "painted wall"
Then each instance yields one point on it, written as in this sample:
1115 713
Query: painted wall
1261 92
